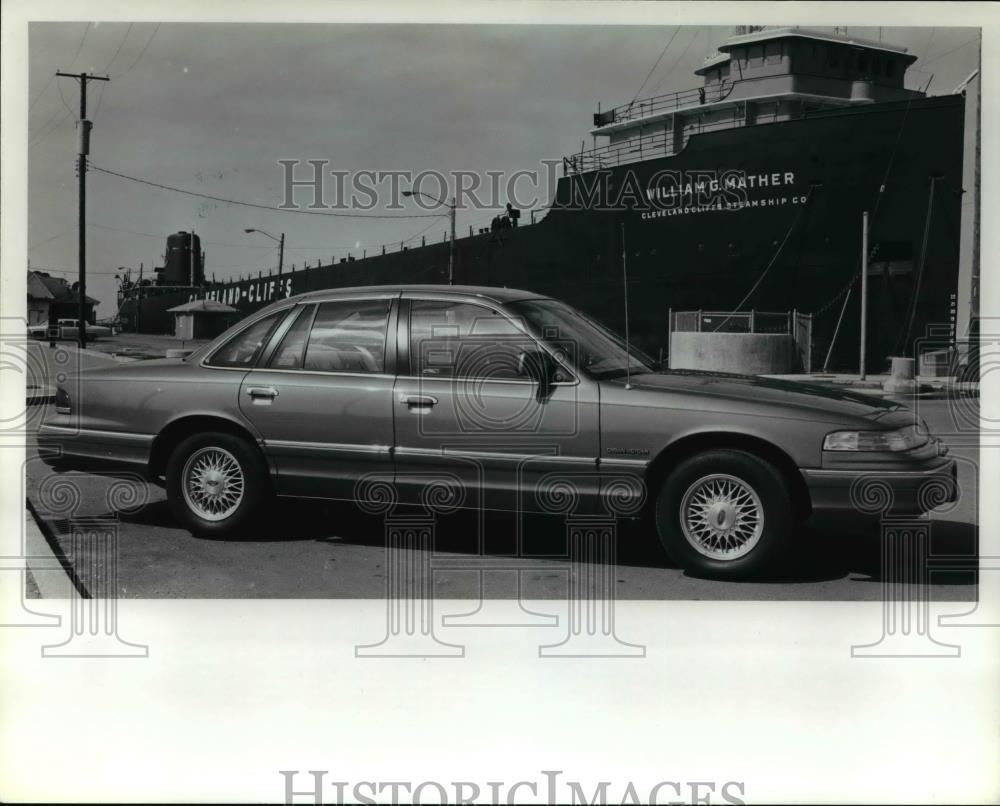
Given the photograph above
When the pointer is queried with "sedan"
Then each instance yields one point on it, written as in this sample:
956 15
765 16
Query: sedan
449 396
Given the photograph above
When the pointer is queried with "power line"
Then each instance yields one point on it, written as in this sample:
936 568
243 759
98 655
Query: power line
327 249
80 46
76 55
40 94
63 98
46 240
239 203
44 131
120 46
142 53
100 95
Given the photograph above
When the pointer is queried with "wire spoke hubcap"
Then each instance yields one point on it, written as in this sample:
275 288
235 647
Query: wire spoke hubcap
722 517
213 483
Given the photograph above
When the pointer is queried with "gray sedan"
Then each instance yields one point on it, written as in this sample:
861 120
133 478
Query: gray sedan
450 396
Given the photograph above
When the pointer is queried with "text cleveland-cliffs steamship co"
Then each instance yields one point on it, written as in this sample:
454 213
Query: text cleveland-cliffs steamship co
744 193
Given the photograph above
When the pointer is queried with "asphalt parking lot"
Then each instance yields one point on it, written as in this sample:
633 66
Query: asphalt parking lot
316 550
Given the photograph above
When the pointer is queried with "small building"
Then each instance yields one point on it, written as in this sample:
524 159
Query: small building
202 319
53 298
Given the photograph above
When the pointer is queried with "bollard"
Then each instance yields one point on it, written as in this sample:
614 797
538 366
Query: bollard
901 380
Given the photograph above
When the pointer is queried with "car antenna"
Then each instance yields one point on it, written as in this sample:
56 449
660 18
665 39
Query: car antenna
628 360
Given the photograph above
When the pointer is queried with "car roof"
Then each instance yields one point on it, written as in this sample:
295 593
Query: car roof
439 291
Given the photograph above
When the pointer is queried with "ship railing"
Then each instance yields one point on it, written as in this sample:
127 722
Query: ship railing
638 109
662 143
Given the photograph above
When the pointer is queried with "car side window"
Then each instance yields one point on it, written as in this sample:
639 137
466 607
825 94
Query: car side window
462 340
348 336
292 349
242 350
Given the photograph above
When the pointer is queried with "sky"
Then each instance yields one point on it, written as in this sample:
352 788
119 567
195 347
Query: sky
212 108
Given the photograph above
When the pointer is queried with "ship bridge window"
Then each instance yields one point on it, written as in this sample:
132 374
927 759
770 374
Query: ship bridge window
833 58
890 67
863 62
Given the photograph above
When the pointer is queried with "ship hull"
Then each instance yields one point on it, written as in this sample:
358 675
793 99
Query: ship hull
788 239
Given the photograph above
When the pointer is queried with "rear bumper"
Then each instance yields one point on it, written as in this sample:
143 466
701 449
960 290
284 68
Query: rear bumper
105 452
882 492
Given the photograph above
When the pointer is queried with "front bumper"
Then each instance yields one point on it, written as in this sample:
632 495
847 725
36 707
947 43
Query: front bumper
868 492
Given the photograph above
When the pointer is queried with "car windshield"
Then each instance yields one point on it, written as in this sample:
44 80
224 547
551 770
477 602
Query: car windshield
592 347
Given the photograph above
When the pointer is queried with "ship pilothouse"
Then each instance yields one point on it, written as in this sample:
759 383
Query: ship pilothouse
762 76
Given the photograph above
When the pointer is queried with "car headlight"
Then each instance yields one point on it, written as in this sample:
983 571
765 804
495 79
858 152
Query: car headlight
902 439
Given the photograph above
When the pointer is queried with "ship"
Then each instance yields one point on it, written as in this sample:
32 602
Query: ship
747 192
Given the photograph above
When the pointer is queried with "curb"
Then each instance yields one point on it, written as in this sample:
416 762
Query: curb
44 556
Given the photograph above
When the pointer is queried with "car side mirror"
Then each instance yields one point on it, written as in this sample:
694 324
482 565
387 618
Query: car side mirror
539 366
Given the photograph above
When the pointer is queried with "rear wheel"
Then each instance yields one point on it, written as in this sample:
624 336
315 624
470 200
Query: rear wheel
724 513
216 483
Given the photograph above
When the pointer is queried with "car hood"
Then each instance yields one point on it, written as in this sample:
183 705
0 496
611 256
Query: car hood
814 399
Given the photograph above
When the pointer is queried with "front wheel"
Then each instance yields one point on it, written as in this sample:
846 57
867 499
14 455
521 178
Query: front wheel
216 483
724 513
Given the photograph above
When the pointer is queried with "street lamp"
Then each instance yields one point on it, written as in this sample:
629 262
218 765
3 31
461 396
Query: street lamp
281 245
451 213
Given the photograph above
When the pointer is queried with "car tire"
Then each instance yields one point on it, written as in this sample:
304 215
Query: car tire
216 484
724 513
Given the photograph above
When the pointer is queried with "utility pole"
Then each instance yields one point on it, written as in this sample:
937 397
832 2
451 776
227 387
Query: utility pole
83 150
864 291
451 254
138 304
452 208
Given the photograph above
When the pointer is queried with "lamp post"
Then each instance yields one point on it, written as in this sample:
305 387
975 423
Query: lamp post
281 245
451 214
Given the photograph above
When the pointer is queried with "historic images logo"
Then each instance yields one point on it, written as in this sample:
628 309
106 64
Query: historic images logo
554 790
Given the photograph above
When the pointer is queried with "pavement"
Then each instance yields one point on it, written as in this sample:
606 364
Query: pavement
317 550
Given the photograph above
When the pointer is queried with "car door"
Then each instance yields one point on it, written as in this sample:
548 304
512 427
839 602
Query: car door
321 396
469 419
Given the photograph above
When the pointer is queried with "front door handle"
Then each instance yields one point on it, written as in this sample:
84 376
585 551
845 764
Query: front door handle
267 392
418 401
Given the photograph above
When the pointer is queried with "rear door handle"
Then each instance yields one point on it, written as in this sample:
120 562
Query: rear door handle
418 401
268 392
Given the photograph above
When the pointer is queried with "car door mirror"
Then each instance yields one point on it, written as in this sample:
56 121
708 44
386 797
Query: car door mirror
537 365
